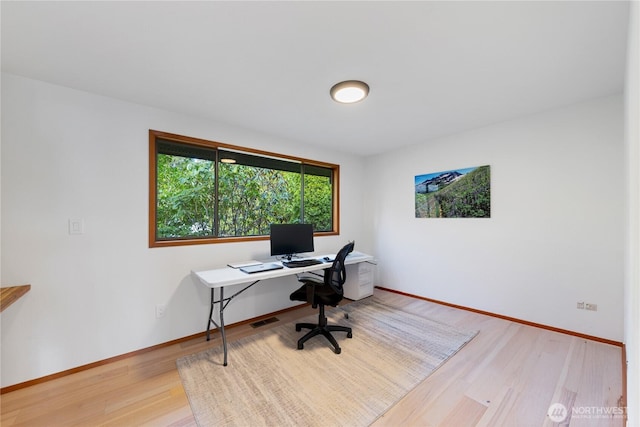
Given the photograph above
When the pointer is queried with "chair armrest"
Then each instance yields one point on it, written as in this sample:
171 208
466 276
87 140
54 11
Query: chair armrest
310 283
311 276
311 293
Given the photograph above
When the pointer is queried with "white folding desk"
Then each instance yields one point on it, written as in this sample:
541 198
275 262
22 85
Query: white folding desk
227 276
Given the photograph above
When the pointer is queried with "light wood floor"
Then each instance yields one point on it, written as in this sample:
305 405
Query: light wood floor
508 375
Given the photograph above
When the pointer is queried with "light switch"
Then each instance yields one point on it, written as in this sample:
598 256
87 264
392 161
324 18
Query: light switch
76 226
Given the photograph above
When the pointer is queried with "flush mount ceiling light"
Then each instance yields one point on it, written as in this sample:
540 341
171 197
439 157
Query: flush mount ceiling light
228 161
349 91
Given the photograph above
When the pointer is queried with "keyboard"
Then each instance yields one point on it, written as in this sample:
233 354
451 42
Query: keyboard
301 263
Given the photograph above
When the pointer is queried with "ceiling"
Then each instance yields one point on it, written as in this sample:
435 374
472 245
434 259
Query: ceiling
434 68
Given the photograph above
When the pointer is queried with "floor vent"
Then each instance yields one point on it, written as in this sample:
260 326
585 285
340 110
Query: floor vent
264 322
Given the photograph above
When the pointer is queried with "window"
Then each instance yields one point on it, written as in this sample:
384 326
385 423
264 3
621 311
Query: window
208 192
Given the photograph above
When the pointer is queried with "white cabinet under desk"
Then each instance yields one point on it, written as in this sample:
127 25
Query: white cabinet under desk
359 283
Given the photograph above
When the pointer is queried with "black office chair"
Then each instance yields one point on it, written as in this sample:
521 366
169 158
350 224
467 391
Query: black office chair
319 293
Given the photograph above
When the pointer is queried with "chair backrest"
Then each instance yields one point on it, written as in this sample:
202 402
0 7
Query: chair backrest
335 275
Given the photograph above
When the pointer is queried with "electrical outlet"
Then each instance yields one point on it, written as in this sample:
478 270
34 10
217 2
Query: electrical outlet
160 310
580 306
592 307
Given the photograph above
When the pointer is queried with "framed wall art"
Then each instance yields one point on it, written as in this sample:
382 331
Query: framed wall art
458 193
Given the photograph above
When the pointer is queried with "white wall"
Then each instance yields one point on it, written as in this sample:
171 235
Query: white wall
556 232
70 154
632 279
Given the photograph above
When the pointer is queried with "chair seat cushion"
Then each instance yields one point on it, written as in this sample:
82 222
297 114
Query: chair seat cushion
323 294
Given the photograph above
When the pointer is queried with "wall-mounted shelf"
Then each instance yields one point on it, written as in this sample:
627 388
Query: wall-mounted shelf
10 294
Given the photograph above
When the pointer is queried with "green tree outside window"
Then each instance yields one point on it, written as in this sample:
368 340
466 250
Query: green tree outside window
198 196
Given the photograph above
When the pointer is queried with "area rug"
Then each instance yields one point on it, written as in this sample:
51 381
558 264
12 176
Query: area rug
268 382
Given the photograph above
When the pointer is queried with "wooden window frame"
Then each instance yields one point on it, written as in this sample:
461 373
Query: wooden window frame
154 135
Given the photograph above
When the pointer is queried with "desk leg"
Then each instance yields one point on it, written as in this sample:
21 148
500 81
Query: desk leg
221 326
213 299
224 336
223 304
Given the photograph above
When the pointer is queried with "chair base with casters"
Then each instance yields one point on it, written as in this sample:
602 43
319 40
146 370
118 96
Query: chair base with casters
322 328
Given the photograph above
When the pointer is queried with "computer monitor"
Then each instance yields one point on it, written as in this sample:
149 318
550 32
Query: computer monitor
291 239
